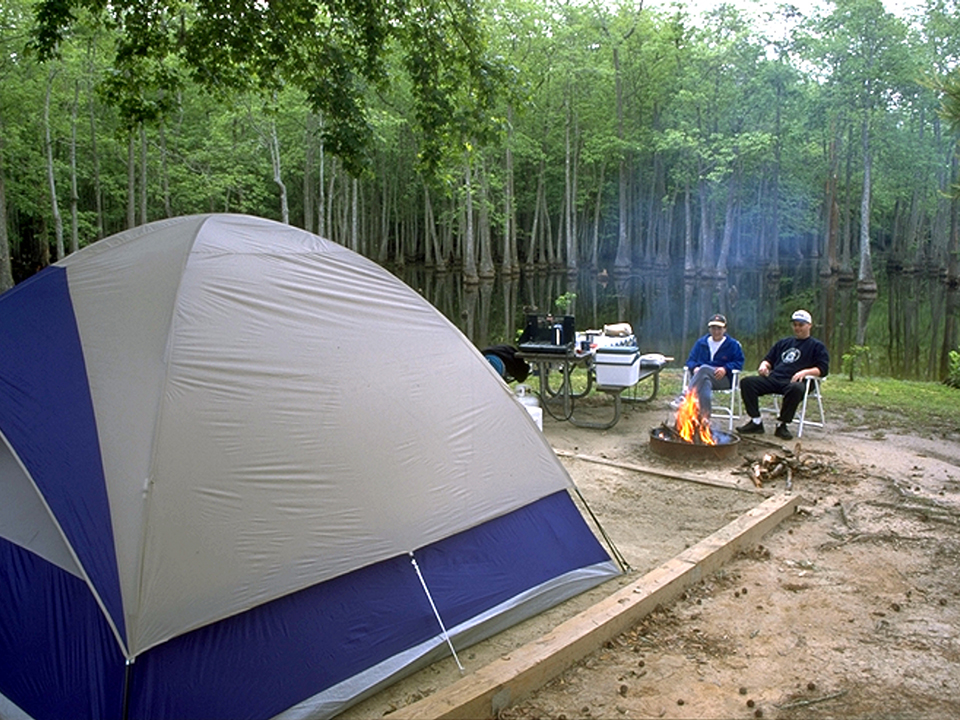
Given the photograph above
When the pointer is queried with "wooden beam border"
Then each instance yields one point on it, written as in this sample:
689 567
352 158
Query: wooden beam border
510 678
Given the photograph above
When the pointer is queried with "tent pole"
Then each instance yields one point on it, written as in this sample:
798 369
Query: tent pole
621 561
443 629
127 676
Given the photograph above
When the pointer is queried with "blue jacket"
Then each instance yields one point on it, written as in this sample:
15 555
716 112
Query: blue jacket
729 354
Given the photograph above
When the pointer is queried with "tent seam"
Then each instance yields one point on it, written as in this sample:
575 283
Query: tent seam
149 479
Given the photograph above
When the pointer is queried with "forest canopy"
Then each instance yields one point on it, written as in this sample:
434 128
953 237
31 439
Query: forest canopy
337 53
490 136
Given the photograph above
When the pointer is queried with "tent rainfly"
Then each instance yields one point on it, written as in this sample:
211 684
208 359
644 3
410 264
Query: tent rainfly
247 473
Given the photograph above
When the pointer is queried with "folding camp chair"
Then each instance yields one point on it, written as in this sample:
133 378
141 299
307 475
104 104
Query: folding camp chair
812 384
725 410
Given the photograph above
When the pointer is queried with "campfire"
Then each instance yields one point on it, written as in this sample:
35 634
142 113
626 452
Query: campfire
690 425
691 436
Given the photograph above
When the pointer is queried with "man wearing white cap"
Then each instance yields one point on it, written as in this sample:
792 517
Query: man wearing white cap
782 371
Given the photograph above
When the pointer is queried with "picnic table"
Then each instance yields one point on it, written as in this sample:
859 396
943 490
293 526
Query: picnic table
624 375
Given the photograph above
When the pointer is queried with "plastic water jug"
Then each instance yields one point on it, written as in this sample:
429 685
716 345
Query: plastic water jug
529 400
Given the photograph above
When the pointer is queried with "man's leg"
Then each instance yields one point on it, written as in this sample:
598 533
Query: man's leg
792 397
751 388
702 385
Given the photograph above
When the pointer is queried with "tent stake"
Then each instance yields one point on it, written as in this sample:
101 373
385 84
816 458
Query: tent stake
443 629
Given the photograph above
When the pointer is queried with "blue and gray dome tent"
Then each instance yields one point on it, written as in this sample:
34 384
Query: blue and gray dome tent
239 464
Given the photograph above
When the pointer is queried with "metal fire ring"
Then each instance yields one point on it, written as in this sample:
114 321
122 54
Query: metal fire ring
663 442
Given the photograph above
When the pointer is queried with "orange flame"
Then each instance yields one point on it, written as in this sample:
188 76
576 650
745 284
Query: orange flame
689 424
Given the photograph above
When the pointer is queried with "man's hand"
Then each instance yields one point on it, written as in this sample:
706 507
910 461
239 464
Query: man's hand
764 368
719 373
799 375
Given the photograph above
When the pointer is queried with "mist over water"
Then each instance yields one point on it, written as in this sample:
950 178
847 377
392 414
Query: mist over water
902 327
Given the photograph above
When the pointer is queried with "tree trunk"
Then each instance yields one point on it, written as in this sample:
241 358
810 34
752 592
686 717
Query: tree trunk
952 311
322 214
143 174
97 189
546 232
568 189
486 250
6 270
308 172
131 180
647 234
728 222
846 250
274 145
511 261
446 243
535 227
953 241
831 211
470 275
164 169
597 213
689 264
433 248
74 199
865 280
384 248
622 262
662 231
706 227
777 167
355 214
913 239
328 217
51 180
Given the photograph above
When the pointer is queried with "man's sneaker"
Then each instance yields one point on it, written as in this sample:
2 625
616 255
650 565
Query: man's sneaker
751 427
676 402
783 432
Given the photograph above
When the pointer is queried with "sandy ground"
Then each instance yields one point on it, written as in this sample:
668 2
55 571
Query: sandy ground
850 609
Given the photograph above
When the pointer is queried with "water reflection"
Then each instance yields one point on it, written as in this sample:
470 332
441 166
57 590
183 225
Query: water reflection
908 326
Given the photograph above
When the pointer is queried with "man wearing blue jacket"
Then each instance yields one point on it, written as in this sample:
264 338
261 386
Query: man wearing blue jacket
782 371
712 361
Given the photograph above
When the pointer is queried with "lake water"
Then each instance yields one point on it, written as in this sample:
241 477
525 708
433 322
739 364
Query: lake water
903 327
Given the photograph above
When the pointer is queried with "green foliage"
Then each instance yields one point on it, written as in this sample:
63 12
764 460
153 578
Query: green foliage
335 53
854 357
953 371
565 302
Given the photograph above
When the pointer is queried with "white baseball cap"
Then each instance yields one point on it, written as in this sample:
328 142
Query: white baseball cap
802 316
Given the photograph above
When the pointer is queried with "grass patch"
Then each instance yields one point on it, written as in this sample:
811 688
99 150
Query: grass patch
878 405
884 404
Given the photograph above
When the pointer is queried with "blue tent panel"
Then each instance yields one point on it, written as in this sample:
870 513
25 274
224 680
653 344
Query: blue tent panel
42 366
473 571
58 657
268 659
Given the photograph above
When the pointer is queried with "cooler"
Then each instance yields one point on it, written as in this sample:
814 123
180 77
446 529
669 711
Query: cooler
617 365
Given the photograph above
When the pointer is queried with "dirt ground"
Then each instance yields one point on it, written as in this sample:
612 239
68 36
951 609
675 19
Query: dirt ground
849 609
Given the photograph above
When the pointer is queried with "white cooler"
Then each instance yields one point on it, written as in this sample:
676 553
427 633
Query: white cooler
617 366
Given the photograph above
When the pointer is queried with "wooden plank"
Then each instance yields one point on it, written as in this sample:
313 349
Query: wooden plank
660 473
507 680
